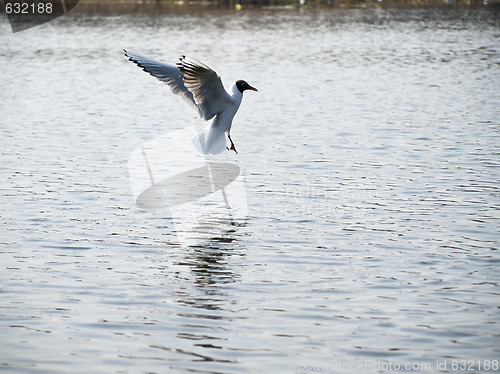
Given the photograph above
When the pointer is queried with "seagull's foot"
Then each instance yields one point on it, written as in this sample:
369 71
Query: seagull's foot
233 149
232 145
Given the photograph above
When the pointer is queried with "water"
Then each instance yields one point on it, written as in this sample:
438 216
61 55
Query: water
370 158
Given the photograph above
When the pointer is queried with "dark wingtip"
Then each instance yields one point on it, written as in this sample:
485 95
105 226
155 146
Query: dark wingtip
135 61
125 53
180 64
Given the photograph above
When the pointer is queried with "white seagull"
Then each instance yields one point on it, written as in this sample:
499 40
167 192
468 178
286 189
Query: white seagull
202 89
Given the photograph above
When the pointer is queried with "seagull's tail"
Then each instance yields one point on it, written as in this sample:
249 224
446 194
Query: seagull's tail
210 141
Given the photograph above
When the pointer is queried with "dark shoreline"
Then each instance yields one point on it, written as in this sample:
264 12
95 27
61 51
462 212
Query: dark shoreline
161 6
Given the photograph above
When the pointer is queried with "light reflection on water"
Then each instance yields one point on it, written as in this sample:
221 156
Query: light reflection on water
370 157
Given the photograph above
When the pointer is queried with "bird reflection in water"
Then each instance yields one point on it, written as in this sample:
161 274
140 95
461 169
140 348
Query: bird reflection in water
205 201
212 268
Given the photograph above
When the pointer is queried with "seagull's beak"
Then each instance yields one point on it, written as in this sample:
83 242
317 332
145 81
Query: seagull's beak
252 88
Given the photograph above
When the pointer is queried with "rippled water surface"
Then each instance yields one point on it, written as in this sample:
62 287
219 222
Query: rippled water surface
370 161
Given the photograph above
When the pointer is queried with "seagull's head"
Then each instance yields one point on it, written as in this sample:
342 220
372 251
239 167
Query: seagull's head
242 86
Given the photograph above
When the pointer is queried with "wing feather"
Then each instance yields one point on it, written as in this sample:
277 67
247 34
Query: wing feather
168 74
205 85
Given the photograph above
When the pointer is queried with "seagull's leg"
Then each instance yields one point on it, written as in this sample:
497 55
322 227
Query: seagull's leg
232 144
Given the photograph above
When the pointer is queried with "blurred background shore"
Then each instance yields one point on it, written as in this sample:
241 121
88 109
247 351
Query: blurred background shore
146 6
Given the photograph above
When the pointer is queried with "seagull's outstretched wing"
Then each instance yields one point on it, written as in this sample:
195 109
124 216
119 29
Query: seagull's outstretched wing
192 81
168 74
205 85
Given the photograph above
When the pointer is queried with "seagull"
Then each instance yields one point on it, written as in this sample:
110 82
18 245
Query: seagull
201 88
